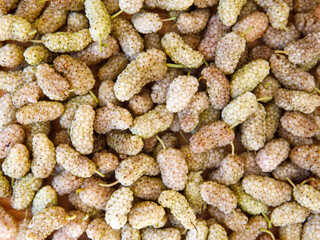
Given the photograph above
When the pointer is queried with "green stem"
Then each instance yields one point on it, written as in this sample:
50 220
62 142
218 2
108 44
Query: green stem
116 14
108 185
162 143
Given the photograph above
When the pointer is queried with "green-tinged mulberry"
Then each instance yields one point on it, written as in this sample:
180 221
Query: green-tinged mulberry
5 188
79 75
192 192
173 168
277 11
15 28
81 129
247 203
171 5
132 168
98 229
45 197
124 143
74 162
67 41
228 52
273 114
24 190
11 81
147 67
307 196
195 161
7 111
118 207
253 130
217 232
41 111
216 134
219 196
99 19
51 20
44 157
240 109
159 234
248 77
72 105
17 163
289 213
199 231
179 207
53 85
180 52
293 100
144 214
152 122
76 227
217 87
131 7
37 54
229 11
45 222
270 191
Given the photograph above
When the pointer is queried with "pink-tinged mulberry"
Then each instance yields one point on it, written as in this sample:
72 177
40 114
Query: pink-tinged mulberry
74 162
79 75
228 52
217 87
173 168
216 134
219 196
